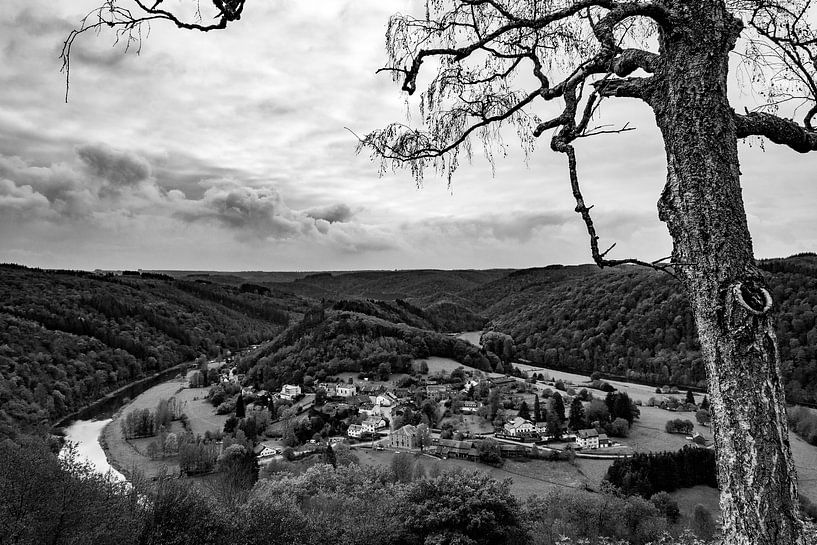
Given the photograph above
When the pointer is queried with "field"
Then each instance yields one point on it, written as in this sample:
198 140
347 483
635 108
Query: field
531 477
437 364
469 423
688 498
128 456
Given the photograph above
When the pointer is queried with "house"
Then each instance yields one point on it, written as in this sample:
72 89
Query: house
405 437
368 409
290 391
355 430
331 389
588 438
373 423
386 399
264 451
518 426
437 390
470 406
502 381
604 441
456 449
346 390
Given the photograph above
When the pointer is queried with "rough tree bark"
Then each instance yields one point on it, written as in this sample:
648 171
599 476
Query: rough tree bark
703 208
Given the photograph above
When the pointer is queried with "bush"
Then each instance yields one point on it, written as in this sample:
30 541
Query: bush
667 506
679 426
702 523
619 428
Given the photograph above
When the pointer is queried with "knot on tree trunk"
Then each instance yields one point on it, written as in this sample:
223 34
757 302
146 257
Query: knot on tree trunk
752 296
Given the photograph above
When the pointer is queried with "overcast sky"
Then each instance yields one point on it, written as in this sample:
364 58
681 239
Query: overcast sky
227 151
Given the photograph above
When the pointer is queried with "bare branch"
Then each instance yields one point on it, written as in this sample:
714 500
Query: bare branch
127 24
777 129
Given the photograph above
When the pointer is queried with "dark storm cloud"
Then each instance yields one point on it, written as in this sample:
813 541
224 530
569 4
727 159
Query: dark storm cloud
117 167
333 213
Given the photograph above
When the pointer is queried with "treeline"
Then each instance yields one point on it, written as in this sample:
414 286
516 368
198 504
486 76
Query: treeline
637 323
644 474
63 501
67 339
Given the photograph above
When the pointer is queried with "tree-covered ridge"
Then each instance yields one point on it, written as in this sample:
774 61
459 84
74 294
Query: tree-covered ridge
637 323
68 338
336 341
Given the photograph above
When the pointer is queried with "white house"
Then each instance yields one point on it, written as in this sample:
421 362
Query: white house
518 426
470 406
373 423
346 390
264 451
289 391
386 399
355 430
588 438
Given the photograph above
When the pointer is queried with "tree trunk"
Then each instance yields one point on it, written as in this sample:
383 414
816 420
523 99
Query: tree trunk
703 208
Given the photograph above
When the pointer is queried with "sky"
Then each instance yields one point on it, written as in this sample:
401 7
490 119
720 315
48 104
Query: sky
233 150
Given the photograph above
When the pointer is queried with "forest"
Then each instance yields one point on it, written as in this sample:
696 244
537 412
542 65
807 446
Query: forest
68 338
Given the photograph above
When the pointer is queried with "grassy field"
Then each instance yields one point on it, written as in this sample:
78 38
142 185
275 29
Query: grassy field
129 455
437 364
528 477
688 498
123 455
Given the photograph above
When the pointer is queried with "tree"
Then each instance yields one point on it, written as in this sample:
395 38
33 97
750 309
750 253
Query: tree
329 456
479 47
702 523
690 399
619 428
577 420
423 437
402 466
537 409
524 411
667 506
558 407
703 417
240 411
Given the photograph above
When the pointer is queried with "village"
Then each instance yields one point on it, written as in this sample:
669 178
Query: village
462 413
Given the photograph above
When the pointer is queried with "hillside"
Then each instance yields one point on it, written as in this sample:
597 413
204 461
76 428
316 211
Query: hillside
339 339
68 338
636 322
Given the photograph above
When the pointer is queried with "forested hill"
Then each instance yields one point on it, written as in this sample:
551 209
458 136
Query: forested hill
635 322
352 336
68 338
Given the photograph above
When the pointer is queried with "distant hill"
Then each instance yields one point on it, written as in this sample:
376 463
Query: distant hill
67 338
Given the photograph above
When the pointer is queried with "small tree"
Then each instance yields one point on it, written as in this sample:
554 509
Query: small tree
702 523
690 399
702 416
240 410
537 410
577 419
524 411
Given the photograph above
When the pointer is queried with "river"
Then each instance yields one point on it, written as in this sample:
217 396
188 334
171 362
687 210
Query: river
85 434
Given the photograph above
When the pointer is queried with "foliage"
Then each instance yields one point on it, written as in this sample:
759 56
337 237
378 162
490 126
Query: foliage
68 338
646 474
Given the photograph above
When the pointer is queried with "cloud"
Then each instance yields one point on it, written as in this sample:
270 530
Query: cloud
332 213
120 168
19 200
517 225
261 212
